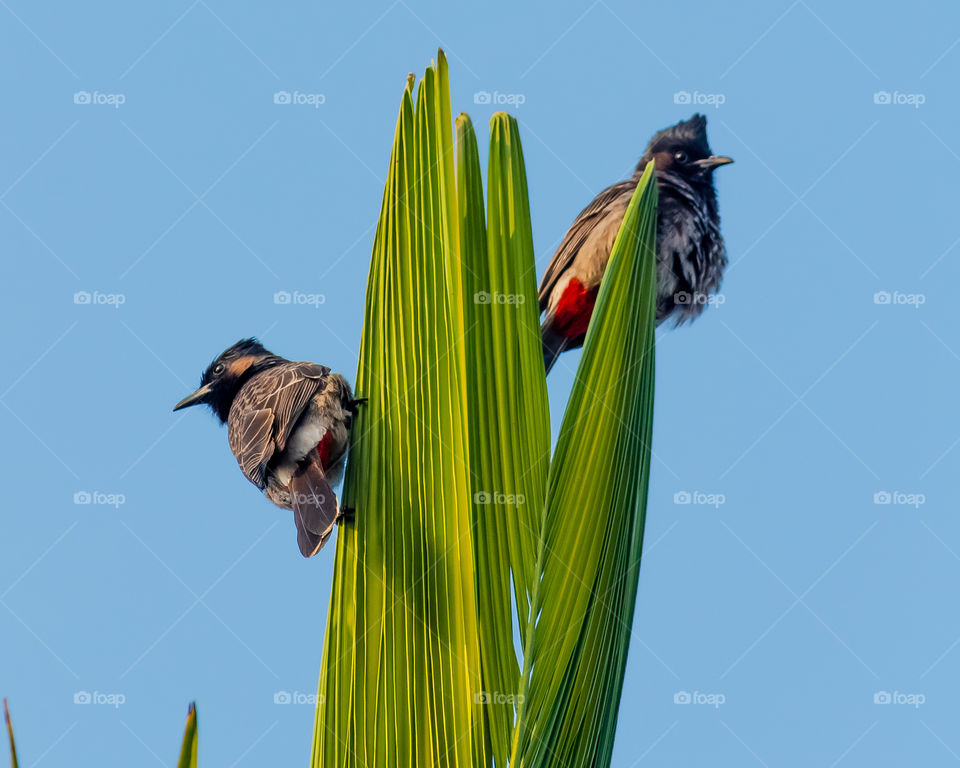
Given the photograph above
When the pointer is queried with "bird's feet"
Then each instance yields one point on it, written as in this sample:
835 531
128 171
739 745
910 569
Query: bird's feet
357 401
346 515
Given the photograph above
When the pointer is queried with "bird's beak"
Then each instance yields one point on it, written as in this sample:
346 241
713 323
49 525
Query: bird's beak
714 161
195 398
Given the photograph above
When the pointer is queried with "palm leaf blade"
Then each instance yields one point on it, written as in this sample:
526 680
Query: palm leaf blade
593 528
509 416
402 650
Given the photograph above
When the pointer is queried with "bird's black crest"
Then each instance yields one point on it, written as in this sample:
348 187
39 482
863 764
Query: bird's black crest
691 133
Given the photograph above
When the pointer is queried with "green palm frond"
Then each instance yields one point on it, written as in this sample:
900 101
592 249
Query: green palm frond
509 422
466 539
402 644
593 533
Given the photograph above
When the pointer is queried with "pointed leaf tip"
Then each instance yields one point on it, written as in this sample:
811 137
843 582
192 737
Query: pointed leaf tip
188 750
13 746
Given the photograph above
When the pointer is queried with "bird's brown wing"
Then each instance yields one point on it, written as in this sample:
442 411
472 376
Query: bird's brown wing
265 411
577 235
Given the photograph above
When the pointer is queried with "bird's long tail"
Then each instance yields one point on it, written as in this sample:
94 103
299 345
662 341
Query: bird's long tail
314 507
554 343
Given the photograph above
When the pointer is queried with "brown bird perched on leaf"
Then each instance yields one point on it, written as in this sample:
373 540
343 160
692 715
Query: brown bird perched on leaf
288 425
690 252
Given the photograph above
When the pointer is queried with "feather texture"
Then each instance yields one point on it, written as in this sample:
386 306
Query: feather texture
265 412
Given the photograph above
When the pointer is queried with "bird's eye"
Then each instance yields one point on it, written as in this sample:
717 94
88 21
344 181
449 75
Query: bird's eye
680 156
218 369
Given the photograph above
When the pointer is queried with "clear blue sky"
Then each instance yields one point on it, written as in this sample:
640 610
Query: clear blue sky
798 599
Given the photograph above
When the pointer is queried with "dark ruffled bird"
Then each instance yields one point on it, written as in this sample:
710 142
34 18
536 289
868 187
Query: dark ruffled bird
288 425
690 253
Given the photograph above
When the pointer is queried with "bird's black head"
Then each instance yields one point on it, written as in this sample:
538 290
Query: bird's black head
682 149
224 376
